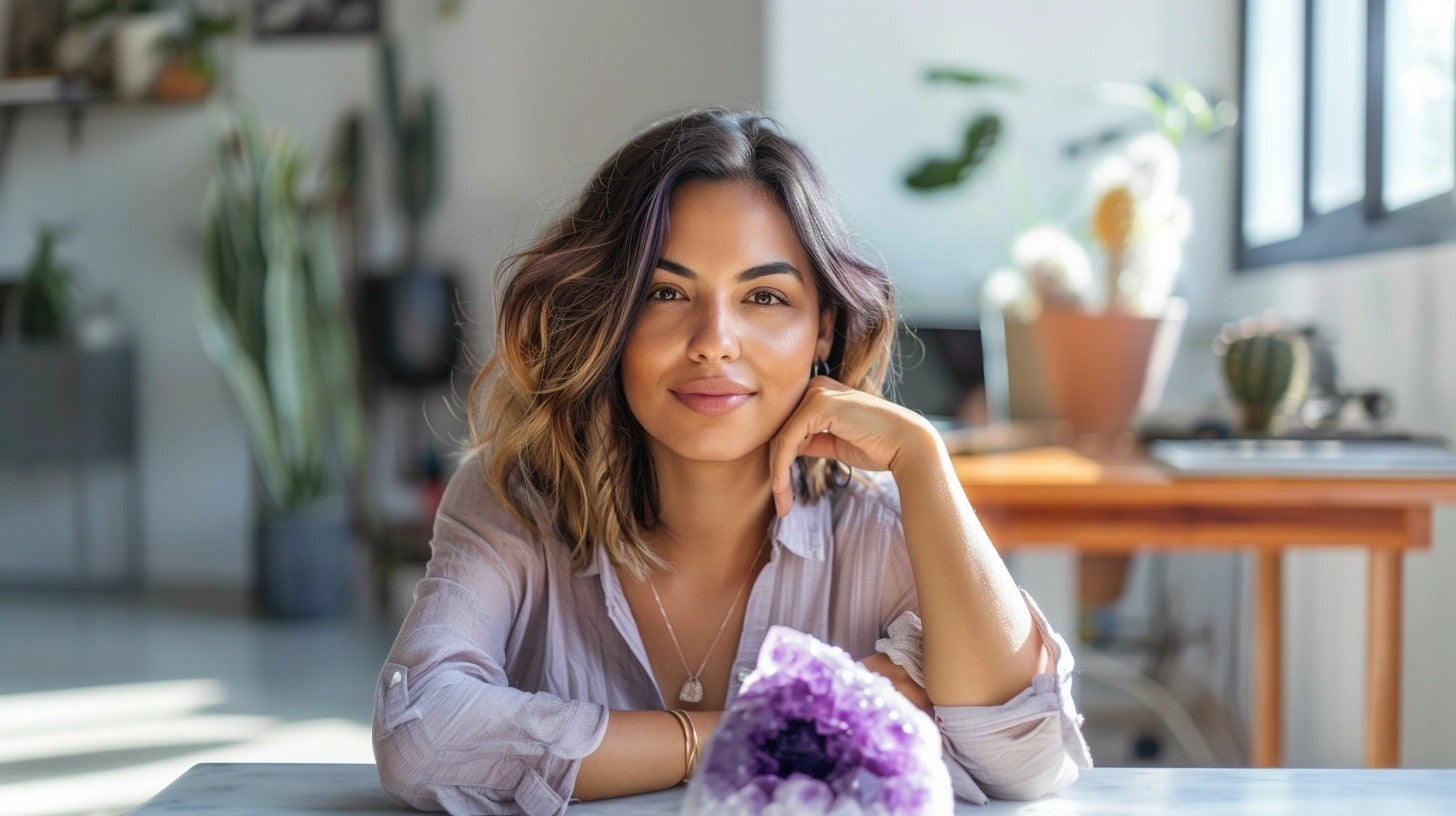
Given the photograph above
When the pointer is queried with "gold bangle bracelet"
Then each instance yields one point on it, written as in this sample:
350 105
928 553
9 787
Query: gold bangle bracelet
697 746
687 727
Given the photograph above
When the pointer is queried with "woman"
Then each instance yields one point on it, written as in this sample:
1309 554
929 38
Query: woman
678 442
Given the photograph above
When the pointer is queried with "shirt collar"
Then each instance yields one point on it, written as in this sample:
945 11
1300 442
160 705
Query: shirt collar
805 532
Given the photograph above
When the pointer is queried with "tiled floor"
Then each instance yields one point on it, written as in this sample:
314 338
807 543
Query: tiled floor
106 698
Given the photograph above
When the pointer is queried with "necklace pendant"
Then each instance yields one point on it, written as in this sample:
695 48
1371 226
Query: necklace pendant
692 691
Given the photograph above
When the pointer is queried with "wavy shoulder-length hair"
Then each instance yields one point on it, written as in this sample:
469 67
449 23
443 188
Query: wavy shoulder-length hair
547 413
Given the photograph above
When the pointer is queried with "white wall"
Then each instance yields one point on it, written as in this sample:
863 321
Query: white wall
852 91
536 94
539 93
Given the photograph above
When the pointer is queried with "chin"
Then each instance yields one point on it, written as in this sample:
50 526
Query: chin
712 450
715 445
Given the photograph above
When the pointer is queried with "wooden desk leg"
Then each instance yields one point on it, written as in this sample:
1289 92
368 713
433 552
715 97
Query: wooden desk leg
1267 750
1382 666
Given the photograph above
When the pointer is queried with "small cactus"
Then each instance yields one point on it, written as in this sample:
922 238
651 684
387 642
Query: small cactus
414 128
1267 371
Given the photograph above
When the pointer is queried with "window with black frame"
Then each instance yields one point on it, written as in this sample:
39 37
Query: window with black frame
1348 142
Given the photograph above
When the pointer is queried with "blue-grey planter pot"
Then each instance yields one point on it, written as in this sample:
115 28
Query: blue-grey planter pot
305 562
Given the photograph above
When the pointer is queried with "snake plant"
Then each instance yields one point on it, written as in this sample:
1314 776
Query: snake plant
272 313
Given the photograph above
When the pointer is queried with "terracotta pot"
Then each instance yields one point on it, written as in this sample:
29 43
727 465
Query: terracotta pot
1103 368
178 81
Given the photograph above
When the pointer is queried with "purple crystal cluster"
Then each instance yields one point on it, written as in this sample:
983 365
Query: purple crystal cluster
814 733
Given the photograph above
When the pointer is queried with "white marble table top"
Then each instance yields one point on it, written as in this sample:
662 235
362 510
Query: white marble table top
319 790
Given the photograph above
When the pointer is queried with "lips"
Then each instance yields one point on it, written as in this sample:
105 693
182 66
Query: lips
713 397
712 404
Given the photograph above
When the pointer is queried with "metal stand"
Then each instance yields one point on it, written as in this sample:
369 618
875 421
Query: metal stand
63 405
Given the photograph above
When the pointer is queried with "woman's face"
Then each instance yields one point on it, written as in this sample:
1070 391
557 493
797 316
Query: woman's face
720 353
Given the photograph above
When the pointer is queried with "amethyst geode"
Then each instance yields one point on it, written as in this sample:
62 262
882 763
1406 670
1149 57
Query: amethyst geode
813 732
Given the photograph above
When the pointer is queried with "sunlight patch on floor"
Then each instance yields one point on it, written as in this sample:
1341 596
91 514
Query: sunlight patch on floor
145 717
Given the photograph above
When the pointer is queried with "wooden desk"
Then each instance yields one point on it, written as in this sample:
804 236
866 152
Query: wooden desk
1051 496
353 790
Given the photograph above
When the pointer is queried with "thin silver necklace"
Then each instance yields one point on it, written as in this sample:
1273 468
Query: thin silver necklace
692 688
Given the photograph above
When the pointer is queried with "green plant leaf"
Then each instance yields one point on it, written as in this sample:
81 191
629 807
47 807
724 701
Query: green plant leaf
280 254
935 173
220 342
1196 105
389 90
285 318
981 137
337 357
961 76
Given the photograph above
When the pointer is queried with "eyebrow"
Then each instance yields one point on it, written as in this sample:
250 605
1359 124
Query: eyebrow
752 273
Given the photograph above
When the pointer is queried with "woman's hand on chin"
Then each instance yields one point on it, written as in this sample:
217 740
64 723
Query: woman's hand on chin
842 423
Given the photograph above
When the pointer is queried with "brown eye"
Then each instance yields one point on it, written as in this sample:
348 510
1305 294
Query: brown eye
663 293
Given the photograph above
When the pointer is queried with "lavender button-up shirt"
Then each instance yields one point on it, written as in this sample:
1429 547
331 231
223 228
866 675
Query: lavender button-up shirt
505 669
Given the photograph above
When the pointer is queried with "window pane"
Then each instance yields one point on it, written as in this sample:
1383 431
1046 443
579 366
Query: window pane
1337 127
1274 121
1420 107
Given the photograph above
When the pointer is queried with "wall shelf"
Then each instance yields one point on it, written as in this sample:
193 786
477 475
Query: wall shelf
71 98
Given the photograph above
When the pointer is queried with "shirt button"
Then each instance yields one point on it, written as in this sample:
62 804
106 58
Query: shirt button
743 674
394 680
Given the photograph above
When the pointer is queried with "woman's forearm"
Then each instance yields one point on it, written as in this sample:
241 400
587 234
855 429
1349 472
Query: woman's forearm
642 751
981 646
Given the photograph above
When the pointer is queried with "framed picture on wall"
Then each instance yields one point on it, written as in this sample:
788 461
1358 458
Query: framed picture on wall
274 19
29 30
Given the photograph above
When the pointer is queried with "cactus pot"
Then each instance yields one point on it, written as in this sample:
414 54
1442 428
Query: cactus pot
1267 372
305 561
1104 368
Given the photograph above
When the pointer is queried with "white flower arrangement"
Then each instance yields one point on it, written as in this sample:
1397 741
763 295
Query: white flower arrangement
1139 221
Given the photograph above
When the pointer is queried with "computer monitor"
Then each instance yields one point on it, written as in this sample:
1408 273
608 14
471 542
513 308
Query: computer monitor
941 373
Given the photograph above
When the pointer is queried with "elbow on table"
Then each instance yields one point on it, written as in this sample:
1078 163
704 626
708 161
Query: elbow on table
408 773
492 784
400 776
1032 781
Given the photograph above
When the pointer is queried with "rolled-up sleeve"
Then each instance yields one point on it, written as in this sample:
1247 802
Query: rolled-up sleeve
450 733
1027 747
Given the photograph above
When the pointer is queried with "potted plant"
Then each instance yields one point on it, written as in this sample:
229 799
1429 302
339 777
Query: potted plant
272 316
190 66
1048 298
1105 354
42 298
1058 344
162 49
408 313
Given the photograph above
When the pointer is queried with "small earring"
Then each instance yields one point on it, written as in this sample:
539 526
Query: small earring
820 368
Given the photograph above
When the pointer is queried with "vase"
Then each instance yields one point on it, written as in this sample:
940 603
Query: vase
1016 391
305 561
1103 369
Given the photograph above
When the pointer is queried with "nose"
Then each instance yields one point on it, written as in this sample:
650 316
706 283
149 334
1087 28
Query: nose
714 333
